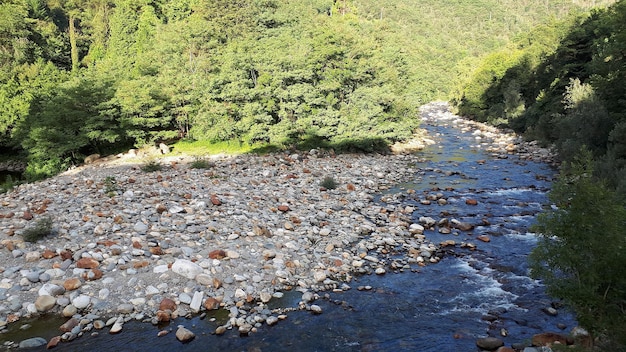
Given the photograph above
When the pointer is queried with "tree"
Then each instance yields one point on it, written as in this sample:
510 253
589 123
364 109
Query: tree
582 250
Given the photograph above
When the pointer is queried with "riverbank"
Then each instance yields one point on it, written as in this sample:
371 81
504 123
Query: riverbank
151 246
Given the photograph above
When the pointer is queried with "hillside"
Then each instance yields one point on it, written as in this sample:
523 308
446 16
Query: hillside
96 76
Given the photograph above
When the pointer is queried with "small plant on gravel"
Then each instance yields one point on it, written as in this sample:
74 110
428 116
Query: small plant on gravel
329 183
8 184
110 186
41 229
151 166
200 163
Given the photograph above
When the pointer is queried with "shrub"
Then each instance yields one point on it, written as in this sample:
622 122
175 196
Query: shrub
200 163
329 183
151 166
110 186
580 255
9 184
41 229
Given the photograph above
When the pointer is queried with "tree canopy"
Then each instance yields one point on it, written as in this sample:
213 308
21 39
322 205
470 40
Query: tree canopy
78 77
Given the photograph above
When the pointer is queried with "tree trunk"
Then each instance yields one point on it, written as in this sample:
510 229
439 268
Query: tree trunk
74 47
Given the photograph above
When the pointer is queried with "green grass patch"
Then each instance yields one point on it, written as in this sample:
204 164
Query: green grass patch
329 183
187 147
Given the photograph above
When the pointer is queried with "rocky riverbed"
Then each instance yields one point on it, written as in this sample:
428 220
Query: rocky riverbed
126 244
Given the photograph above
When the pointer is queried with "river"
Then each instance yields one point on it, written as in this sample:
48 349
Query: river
446 306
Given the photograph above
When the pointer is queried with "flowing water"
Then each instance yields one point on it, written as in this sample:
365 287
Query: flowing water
441 307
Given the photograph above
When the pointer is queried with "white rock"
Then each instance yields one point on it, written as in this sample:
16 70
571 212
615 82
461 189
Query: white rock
240 294
196 301
186 268
81 302
49 289
159 269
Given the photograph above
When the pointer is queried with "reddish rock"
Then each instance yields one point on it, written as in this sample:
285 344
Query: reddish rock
27 215
350 187
141 264
162 333
12 318
211 303
53 342
215 200
118 219
93 274
164 315
107 243
156 250
471 202
483 238
217 254
167 304
217 283
87 263
549 339
131 180
136 245
48 254
72 284
160 208
283 208
505 349
69 325
65 255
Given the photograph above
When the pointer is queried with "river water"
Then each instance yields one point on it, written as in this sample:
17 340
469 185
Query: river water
442 307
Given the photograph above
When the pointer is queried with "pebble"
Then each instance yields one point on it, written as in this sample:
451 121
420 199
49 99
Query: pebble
81 302
184 335
45 303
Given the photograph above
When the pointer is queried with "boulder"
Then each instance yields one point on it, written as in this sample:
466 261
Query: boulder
549 339
489 343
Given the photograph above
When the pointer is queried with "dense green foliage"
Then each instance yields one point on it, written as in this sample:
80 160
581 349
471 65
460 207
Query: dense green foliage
584 263
80 77
562 84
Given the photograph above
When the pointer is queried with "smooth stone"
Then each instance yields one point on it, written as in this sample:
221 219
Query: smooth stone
117 327
316 309
45 303
184 335
81 302
50 289
489 343
33 342
69 311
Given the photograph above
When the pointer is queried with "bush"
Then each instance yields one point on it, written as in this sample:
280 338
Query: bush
41 229
581 253
110 186
8 184
329 183
151 166
200 163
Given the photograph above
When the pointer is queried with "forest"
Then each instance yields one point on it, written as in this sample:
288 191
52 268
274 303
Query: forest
82 77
